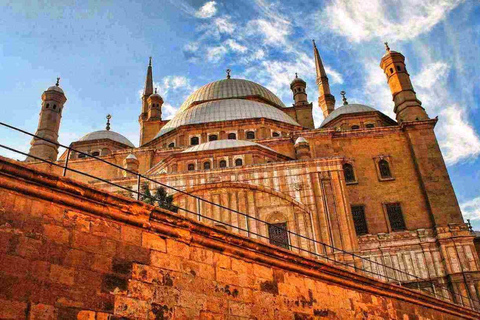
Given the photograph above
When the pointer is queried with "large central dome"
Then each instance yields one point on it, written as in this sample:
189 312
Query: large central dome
232 89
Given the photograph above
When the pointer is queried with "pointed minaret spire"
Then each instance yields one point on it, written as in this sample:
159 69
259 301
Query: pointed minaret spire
149 80
326 100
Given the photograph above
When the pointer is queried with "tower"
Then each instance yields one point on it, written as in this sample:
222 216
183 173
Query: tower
151 117
298 87
53 100
326 100
407 106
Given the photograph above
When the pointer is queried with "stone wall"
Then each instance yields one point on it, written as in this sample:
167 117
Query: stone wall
69 251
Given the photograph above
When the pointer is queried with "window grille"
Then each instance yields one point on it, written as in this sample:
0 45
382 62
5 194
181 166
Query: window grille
277 233
250 135
223 164
206 165
238 162
171 145
232 136
384 168
275 134
348 173
358 213
212 137
194 141
395 216
191 167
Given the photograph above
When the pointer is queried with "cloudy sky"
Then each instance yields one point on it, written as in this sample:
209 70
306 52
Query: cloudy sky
100 50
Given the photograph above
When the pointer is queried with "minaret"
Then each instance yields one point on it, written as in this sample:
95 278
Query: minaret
298 87
147 92
407 106
326 100
53 100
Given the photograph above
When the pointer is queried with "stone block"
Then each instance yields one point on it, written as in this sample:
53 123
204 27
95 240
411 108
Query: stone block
62 275
41 312
86 315
56 233
131 235
12 309
153 241
14 265
177 248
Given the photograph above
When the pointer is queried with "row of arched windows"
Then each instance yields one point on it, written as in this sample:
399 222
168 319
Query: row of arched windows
54 107
221 164
250 135
383 168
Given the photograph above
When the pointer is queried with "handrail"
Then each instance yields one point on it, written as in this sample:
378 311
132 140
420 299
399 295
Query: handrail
473 303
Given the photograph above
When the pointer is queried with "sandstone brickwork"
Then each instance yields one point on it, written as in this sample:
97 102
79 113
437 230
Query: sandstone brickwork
69 251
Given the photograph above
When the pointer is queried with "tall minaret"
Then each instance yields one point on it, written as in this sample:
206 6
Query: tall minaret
53 100
407 106
147 92
326 100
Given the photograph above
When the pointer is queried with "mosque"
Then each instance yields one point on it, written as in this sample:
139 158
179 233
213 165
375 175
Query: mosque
361 181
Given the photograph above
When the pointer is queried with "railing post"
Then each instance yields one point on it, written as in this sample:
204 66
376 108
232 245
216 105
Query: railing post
66 163
138 186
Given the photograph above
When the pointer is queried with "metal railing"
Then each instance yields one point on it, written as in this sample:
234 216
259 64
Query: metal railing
300 243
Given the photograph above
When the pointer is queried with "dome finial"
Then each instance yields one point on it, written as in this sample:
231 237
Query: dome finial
155 90
345 102
386 46
296 75
108 121
58 81
228 73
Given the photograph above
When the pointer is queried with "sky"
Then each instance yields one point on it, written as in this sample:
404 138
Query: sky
100 50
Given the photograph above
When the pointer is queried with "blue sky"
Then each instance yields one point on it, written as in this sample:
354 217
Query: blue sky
100 50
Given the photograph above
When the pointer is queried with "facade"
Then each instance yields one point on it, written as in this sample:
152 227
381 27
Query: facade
361 182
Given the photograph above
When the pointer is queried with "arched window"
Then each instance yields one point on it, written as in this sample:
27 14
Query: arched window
348 173
355 127
212 137
384 168
275 134
171 145
206 165
278 235
48 105
232 136
95 154
194 141
54 106
239 162
223 164
398 68
250 135
81 156
391 70
191 167
369 125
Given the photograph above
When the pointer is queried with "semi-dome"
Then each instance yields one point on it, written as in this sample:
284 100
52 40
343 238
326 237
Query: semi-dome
109 135
226 110
347 109
301 140
223 144
231 88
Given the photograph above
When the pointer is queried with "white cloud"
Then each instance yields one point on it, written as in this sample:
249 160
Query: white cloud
224 25
471 209
235 46
215 54
458 139
333 76
274 33
168 111
391 20
208 10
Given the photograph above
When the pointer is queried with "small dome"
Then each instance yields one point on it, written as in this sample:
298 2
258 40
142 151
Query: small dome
347 109
156 96
297 80
300 140
223 144
131 156
55 88
109 135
